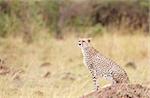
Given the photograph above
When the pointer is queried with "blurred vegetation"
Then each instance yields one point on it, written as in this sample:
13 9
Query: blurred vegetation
26 18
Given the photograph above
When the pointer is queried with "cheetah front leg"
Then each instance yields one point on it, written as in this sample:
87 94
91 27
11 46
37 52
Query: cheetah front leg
95 80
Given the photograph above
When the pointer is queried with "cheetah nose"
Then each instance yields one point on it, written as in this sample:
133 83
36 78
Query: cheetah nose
79 44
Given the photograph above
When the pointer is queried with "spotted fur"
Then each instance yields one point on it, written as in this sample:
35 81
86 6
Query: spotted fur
100 66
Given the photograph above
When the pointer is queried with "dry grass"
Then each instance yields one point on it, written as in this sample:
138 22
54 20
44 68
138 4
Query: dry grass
67 77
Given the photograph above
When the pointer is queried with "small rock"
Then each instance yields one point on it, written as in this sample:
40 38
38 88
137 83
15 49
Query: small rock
131 65
47 74
40 93
4 70
46 64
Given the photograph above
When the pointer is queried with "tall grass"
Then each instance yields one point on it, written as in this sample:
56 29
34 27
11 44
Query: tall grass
68 76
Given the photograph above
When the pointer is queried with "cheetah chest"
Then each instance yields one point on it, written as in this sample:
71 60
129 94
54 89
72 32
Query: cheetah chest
97 64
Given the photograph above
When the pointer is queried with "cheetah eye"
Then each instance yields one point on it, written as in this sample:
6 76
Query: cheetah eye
79 41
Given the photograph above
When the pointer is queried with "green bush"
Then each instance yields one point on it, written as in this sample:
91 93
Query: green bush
26 18
51 13
20 18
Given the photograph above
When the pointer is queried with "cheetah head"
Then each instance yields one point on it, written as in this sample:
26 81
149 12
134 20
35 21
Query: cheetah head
84 42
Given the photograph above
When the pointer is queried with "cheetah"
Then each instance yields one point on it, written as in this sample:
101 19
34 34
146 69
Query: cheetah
101 66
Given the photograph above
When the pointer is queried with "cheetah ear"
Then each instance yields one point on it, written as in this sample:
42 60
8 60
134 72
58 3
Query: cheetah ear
89 40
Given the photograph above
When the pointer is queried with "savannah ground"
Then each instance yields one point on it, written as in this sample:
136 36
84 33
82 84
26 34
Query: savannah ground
53 68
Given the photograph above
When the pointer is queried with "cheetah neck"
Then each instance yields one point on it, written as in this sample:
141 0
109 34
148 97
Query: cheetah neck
88 52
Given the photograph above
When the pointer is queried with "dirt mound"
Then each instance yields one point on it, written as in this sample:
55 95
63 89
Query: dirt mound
121 91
